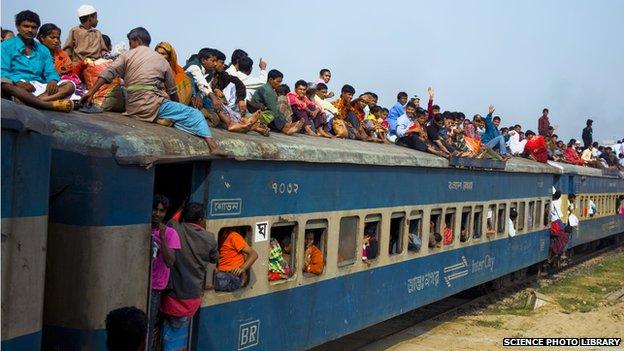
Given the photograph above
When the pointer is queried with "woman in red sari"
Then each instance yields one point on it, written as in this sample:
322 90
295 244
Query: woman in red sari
535 147
571 155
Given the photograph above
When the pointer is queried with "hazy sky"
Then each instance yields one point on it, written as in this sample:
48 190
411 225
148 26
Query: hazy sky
520 56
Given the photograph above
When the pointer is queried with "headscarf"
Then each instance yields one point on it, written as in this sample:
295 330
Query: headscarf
277 263
182 81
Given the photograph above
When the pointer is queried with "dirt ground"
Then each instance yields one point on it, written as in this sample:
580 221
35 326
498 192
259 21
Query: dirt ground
578 308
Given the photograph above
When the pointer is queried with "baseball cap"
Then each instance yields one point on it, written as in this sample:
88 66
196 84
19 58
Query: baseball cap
86 10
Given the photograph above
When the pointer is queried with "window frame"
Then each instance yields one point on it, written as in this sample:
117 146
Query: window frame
351 260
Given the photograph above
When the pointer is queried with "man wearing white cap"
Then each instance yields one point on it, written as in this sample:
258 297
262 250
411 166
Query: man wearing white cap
85 41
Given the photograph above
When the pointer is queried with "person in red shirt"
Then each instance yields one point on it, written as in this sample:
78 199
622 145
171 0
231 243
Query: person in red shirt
535 147
571 155
543 125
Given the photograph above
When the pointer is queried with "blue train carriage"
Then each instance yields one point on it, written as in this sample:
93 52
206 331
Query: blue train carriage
334 188
25 185
601 187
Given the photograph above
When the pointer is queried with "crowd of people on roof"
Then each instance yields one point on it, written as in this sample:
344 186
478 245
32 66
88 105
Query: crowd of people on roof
151 85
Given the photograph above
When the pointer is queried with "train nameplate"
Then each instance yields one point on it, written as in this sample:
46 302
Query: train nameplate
226 207
248 335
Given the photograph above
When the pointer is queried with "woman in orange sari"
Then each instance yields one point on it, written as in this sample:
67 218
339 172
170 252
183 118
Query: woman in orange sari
183 82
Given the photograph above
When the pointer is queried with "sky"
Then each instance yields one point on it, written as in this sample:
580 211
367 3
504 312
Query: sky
519 55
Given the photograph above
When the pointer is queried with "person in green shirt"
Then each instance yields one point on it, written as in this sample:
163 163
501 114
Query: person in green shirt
265 98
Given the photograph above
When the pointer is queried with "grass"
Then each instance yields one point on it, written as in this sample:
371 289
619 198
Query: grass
582 292
586 291
489 324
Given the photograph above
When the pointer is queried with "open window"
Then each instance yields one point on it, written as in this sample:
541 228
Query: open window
174 181
397 225
227 240
435 226
371 237
315 246
531 216
347 240
490 220
448 233
415 231
477 223
538 213
282 251
546 213
501 218
513 207
521 216
466 227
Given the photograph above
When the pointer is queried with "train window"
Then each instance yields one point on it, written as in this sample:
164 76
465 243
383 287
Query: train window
514 206
397 225
477 222
501 219
371 237
531 215
347 240
521 215
538 212
315 243
435 223
282 251
490 222
246 233
448 233
546 213
415 231
465 227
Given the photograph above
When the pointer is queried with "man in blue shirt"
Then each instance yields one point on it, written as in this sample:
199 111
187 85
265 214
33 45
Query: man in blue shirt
395 112
28 72
492 137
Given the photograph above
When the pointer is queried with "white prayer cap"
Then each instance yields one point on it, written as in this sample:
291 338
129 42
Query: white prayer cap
86 10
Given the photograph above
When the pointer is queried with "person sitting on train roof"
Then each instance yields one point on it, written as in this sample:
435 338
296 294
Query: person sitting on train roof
266 96
233 92
245 66
436 134
516 146
184 85
84 41
432 109
370 246
235 258
345 117
571 155
376 120
188 273
200 67
50 35
278 267
237 54
27 69
412 134
126 328
491 136
535 148
358 108
435 239
395 112
305 110
325 77
165 244
313 261
6 34
322 130
321 99
145 75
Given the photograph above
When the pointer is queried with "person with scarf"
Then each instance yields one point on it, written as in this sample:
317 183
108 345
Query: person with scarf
182 81
278 267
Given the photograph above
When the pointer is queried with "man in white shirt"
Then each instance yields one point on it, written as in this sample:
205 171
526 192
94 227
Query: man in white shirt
234 61
555 206
321 99
245 65
513 215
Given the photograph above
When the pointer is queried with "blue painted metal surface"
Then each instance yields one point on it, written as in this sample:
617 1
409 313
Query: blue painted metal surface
309 315
269 188
28 342
598 228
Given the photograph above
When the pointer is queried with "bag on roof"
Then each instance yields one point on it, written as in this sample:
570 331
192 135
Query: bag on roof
340 128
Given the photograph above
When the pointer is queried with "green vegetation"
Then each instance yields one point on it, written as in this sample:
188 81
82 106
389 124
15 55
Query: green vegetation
581 292
488 324
585 291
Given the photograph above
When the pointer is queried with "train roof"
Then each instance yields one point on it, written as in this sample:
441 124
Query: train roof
133 142
24 119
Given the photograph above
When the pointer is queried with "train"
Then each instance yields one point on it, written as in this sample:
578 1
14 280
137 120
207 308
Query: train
91 180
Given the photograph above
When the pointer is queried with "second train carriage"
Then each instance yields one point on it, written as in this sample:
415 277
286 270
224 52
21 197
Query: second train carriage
106 168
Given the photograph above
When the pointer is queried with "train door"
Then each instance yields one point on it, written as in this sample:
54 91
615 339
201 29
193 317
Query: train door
173 187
